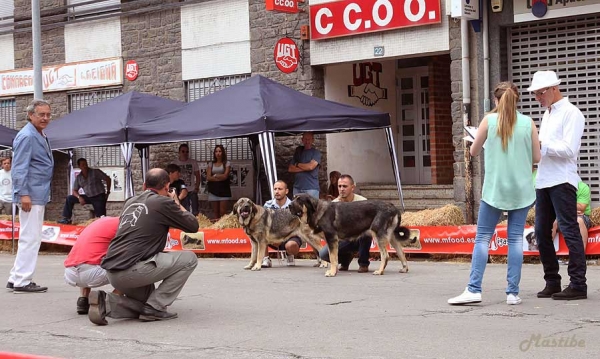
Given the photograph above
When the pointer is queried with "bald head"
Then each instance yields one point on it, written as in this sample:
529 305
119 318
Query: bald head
156 179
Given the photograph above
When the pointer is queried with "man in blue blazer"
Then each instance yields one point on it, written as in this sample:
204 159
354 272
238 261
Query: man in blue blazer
32 175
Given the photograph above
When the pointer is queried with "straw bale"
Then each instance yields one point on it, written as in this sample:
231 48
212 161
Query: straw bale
227 221
87 223
6 217
449 215
595 216
203 221
530 220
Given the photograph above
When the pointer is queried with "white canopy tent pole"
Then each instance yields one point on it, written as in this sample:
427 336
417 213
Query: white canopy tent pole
267 150
392 148
127 150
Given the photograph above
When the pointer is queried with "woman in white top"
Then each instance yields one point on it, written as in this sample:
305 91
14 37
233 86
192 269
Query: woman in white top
217 176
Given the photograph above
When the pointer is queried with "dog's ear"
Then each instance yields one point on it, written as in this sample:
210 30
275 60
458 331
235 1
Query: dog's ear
235 207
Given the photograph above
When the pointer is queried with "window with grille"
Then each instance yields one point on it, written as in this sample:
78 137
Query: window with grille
576 60
237 148
8 113
108 156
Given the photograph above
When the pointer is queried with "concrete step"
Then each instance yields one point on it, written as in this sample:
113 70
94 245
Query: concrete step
416 198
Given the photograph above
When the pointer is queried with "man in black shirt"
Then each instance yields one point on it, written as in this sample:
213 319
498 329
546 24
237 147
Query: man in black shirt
177 183
135 259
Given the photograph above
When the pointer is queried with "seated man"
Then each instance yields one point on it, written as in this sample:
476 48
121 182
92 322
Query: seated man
91 180
584 209
82 266
292 245
347 249
177 183
135 260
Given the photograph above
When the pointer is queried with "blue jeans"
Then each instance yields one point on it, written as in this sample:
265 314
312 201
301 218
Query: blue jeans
312 192
560 203
486 226
347 249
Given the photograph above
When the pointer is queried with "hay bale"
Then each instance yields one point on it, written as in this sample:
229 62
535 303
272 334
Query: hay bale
449 215
595 216
227 221
86 223
6 217
203 221
530 220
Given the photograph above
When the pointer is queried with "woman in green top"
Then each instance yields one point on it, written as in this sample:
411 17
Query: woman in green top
511 148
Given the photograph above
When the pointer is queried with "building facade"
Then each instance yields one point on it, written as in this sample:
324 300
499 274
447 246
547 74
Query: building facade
403 58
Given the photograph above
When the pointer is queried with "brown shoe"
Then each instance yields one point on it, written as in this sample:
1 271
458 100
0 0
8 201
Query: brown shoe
343 268
363 269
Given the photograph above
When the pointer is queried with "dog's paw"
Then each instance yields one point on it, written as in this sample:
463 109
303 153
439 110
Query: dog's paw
256 267
330 273
248 266
378 272
404 270
323 265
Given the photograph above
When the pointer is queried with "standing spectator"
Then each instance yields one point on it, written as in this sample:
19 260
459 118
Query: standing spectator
332 190
217 175
82 266
32 174
135 260
177 183
305 164
6 187
93 182
190 174
347 249
512 147
556 187
292 245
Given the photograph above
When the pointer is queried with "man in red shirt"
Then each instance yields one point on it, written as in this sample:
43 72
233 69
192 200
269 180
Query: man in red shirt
82 266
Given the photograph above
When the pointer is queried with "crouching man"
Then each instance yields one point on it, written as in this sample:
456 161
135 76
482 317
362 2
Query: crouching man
135 259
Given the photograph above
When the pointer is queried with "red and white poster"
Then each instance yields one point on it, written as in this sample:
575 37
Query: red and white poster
132 70
348 17
289 6
286 55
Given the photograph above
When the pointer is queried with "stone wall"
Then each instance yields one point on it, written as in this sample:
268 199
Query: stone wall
266 28
440 120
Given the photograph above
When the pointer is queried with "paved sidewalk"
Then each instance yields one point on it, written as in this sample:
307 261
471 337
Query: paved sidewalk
296 312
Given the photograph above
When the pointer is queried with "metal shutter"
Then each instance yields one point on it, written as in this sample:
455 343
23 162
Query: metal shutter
236 148
571 47
109 156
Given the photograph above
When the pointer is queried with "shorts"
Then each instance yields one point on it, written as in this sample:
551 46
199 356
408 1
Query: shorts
86 276
282 245
586 220
213 198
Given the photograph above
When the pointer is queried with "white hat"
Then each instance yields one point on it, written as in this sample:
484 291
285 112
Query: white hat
543 79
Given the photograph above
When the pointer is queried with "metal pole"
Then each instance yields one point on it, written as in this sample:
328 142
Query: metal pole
37 49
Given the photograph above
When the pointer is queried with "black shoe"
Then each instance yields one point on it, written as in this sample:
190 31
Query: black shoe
10 286
97 310
548 291
150 314
83 305
64 221
30 288
570 294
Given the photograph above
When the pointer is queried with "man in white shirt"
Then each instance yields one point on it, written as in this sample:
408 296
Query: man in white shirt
6 187
190 174
556 187
292 245
347 249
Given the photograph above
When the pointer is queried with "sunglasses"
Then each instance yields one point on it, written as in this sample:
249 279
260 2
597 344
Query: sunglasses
541 93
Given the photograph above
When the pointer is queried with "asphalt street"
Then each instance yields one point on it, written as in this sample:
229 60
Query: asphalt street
296 312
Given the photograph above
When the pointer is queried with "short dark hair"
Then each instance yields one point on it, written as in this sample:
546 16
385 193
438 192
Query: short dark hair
81 160
182 146
157 178
281 181
348 177
172 167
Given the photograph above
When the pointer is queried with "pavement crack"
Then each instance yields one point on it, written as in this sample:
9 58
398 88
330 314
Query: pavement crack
341 302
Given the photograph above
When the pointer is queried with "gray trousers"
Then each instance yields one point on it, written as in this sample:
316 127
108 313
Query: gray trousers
137 283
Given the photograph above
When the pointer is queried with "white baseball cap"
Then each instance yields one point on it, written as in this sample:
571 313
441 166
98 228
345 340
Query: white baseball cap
543 79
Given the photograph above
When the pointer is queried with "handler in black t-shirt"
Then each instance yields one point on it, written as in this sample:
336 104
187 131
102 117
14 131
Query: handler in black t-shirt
135 259
177 184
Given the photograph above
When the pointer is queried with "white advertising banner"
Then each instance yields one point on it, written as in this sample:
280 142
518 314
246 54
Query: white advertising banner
77 75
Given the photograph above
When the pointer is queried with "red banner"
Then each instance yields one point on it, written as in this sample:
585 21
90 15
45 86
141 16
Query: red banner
442 240
345 17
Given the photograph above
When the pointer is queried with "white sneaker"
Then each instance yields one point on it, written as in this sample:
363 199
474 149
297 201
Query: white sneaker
266 263
513 299
290 261
466 298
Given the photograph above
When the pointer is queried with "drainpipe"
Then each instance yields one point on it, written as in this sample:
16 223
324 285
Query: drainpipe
466 84
486 58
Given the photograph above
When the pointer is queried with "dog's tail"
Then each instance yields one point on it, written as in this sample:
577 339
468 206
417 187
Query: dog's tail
402 233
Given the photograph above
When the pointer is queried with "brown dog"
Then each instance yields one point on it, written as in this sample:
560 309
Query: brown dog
268 226
349 220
